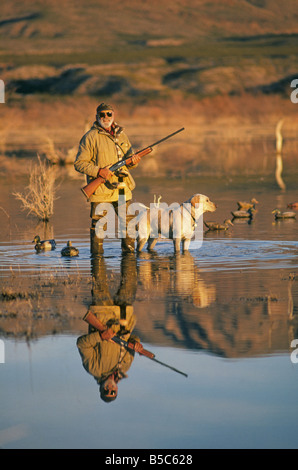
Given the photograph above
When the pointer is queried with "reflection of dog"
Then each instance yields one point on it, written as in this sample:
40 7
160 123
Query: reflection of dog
177 224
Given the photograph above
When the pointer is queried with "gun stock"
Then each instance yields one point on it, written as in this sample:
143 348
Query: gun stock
94 321
91 187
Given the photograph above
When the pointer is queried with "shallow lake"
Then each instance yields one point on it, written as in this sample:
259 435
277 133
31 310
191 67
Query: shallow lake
225 314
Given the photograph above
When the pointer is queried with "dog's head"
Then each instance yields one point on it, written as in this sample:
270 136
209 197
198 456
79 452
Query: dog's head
207 205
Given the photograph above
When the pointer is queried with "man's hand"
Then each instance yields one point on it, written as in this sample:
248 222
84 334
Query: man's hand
134 160
105 173
107 334
138 347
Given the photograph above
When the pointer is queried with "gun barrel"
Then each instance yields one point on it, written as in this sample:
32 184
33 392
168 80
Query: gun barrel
148 354
170 367
167 137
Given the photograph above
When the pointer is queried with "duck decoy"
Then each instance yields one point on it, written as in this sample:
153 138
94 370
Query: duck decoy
293 205
245 206
217 226
43 245
283 215
69 250
242 214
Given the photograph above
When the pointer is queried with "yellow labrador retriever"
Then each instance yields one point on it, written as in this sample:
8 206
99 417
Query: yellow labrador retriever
176 222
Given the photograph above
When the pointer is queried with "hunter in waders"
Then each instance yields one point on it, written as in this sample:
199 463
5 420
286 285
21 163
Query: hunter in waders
103 145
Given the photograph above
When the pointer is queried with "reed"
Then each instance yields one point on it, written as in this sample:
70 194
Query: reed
39 195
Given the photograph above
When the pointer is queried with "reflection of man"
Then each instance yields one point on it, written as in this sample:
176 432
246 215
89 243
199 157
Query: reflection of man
107 361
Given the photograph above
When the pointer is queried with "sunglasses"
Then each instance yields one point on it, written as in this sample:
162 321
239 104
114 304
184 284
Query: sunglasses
109 393
102 114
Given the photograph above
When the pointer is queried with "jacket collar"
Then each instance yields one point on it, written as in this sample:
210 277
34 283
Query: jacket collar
116 129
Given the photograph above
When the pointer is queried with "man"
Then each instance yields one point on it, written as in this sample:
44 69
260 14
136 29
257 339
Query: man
107 361
102 146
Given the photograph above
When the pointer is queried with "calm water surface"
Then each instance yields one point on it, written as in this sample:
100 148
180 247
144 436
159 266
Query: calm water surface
225 314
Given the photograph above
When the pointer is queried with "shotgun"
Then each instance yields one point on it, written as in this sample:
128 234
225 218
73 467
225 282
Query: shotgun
91 187
92 320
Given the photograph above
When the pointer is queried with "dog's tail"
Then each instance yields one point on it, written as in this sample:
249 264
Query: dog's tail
158 200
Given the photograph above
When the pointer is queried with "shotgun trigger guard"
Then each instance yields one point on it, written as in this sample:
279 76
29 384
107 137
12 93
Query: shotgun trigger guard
120 173
110 185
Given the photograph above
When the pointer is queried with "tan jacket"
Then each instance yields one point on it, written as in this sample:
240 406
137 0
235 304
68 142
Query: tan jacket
98 149
102 358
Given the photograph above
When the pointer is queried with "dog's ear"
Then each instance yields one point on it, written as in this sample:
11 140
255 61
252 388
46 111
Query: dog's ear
196 199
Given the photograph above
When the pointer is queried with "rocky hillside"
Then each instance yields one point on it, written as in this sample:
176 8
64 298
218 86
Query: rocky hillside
146 50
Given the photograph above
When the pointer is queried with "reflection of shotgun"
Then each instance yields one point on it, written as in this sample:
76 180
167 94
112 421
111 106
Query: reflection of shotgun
93 321
91 187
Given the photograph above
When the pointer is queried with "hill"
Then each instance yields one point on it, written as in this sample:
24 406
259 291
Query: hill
147 48
226 63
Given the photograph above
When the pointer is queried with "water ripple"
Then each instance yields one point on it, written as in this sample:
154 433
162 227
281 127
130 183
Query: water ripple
219 254
246 254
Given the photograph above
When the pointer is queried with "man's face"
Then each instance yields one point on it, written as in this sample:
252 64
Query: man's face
105 118
109 387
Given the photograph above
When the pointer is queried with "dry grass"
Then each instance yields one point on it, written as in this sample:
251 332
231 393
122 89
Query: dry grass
40 193
221 133
8 294
31 307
